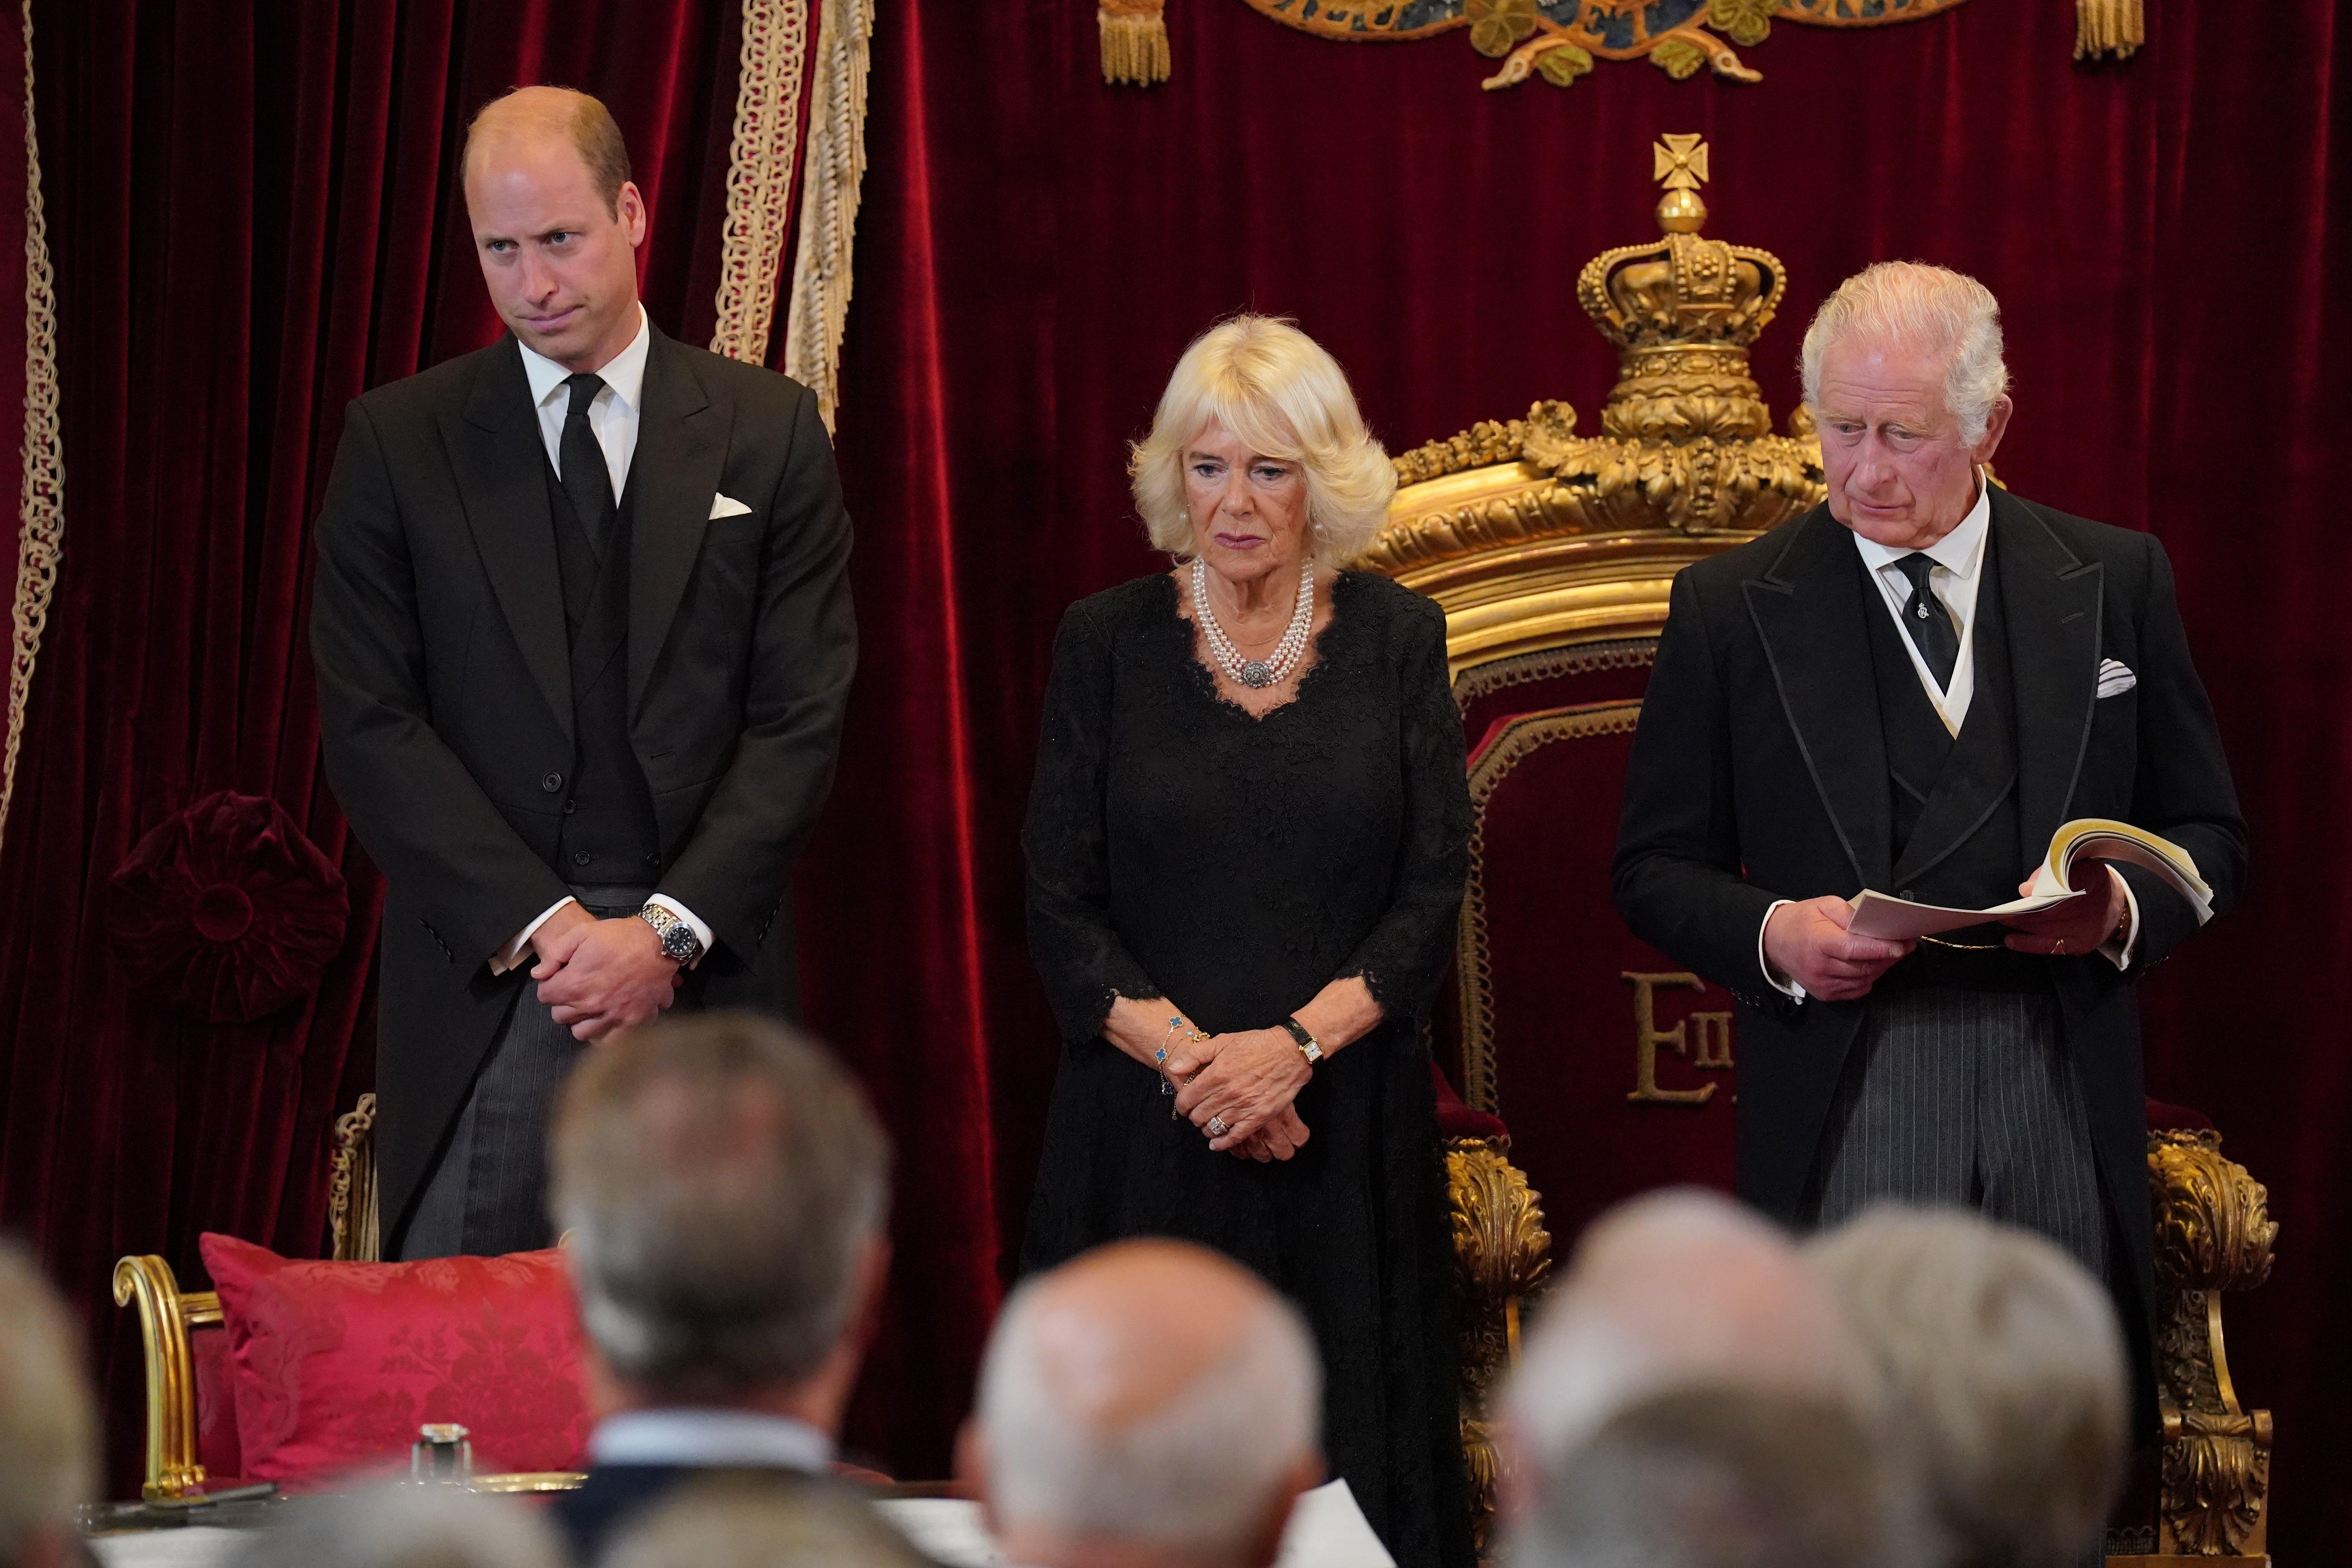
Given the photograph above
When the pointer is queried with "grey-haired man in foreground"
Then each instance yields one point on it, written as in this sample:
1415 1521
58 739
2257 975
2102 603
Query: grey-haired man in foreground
726 1189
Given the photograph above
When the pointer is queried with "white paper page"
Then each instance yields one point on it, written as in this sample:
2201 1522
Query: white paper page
946 1529
1327 1530
190 1546
1891 919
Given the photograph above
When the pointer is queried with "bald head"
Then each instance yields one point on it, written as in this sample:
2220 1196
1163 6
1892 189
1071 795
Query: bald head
1150 1392
1675 1291
556 223
1122 1333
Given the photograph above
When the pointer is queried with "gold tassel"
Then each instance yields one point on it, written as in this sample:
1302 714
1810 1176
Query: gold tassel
1134 41
2114 27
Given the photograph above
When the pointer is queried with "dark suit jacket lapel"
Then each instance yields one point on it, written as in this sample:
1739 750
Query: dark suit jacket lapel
2054 601
500 463
1808 611
681 447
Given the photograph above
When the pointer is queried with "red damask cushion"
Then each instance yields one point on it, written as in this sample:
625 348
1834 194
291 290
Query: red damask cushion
337 1364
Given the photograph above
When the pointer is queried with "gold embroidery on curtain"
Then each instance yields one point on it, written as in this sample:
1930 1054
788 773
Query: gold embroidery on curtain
774 62
40 540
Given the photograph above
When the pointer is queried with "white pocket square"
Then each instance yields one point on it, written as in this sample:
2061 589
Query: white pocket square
2115 678
728 506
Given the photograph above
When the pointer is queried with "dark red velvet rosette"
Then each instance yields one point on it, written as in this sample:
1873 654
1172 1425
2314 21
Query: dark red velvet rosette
226 911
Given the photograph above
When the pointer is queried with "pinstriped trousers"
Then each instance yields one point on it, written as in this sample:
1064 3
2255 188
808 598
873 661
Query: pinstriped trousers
1967 1100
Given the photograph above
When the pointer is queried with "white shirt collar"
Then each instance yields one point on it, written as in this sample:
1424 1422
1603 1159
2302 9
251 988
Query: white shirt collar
624 373
707 1436
1960 551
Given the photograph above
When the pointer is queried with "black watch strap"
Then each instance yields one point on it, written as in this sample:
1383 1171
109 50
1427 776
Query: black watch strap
1308 1046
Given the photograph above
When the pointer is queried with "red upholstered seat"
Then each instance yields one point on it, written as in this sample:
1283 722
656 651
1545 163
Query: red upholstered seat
217 1443
332 1366
1456 1120
2167 1118
1610 1065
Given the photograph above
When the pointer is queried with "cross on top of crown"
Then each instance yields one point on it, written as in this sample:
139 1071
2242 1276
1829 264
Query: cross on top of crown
1680 162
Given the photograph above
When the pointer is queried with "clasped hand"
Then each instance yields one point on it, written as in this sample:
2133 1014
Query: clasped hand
598 975
1249 1078
1808 940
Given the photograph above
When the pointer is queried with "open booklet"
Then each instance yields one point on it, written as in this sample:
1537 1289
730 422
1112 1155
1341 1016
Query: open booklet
1892 919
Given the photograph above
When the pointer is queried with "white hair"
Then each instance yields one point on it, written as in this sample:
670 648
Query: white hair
1197 1473
1279 390
1932 309
722 1177
1673 1291
1715 1476
2005 1374
49 1445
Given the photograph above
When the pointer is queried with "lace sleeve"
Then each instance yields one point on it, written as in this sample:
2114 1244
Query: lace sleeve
1080 957
1406 953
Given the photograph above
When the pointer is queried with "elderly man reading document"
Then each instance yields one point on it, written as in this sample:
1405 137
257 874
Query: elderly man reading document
1909 690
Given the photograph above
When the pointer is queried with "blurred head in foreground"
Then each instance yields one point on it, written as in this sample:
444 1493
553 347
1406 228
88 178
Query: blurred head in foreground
745 1521
1676 1289
1715 1476
2005 1378
49 1445
396 1526
726 1187
1150 1402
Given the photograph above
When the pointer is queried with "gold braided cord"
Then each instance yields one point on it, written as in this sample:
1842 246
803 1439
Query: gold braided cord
41 505
835 162
760 174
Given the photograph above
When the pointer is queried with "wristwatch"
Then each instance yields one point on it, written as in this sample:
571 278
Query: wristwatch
1308 1046
678 939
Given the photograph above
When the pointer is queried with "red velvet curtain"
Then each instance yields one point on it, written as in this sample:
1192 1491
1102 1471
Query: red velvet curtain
1036 248
254 217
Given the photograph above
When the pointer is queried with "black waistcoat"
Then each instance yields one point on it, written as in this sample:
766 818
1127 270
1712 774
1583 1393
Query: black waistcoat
609 837
1957 831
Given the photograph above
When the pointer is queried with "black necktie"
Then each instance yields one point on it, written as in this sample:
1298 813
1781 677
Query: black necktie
1928 621
586 479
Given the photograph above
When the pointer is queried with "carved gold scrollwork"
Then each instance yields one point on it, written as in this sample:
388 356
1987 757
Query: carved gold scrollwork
1502 1254
2213 1233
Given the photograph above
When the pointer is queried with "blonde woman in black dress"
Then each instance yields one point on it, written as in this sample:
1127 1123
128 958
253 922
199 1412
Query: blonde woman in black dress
1246 844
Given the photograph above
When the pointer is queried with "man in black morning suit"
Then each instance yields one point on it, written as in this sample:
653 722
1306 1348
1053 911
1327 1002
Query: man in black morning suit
583 637
1795 747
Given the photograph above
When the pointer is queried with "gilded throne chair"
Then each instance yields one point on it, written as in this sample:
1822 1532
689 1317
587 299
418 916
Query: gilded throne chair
1553 554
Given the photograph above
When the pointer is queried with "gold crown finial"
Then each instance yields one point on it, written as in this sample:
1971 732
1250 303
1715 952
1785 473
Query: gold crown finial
1680 163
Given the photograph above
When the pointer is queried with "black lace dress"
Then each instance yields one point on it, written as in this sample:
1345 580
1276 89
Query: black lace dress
1180 847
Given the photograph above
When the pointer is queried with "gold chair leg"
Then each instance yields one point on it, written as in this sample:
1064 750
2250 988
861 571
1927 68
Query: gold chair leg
171 1467
1502 1253
2213 1233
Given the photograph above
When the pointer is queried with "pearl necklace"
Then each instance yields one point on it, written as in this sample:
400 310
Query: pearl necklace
1257 673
